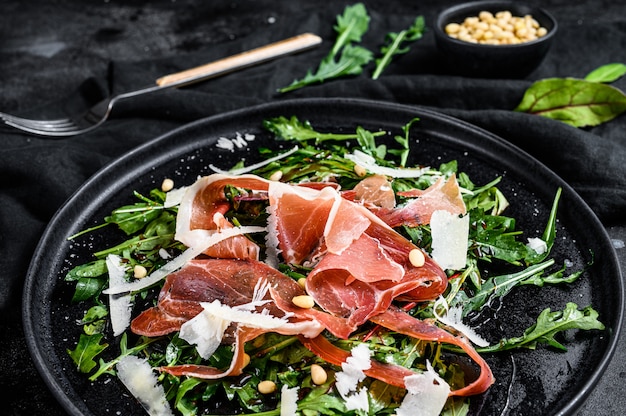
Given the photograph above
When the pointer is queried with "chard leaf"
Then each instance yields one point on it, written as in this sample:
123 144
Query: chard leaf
394 45
576 102
548 325
607 73
344 59
87 349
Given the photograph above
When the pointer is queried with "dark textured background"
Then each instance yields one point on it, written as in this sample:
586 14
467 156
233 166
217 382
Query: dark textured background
49 48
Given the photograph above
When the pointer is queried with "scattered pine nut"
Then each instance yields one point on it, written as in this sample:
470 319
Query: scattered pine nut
167 185
318 374
303 301
139 271
266 387
276 175
302 282
246 360
416 257
360 170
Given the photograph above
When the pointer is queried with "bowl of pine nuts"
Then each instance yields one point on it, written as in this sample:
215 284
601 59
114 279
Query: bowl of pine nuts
494 39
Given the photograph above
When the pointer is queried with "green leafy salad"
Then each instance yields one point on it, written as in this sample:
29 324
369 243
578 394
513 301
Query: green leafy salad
282 373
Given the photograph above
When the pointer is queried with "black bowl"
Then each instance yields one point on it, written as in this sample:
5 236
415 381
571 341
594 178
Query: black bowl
493 61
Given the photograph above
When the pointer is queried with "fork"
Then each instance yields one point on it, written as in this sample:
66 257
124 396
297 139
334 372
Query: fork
95 115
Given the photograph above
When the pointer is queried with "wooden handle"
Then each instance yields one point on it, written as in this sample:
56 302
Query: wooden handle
241 60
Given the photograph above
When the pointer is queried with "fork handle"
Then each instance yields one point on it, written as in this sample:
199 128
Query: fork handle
241 60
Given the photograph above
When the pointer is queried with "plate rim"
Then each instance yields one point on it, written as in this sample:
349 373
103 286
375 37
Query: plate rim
36 350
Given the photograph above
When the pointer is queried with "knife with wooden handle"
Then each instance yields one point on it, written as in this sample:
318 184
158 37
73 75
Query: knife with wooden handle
242 60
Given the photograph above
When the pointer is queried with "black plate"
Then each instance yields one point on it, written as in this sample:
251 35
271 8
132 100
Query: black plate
530 382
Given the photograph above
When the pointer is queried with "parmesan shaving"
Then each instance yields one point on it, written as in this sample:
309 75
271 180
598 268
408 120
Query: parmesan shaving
173 197
288 401
120 306
138 377
202 244
449 233
538 245
369 163
351 375
250 168
454 318
206 329
426 394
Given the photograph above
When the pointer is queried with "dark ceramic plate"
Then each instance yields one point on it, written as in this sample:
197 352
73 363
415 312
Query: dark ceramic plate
529 382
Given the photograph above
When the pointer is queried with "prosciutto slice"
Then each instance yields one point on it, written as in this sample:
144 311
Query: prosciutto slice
442 195
201 213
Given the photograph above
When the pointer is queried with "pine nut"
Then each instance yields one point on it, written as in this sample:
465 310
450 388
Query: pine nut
246 360
167 185
276 176
416 257
139 271
318 374
360 170
266 387
500 29
303 301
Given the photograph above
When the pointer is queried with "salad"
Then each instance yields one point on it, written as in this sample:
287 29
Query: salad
329 279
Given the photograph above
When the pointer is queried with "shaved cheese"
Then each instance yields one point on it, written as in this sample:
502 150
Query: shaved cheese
449 233
288 401
139 378
173 197
454 318
272 249
538 245
120 306
205 331
254 166
369 163
351 375
426 394
241 315
208 239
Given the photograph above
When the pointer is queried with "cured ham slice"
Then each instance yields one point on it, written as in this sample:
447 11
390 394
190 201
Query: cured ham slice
298 218
399 321
201 212
231 282
442 195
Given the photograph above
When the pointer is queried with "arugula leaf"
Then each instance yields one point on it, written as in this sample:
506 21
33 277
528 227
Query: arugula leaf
500 286
549 233
394 44
576 102
92 269
302 131
548 325
87 349
351 26
404 141
607 73
107 366
87 288
344 59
